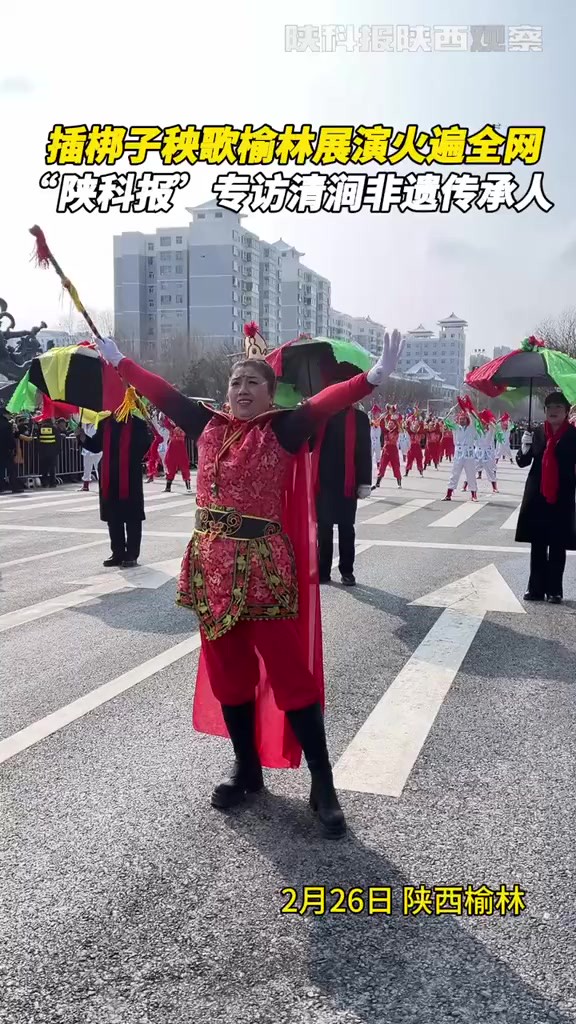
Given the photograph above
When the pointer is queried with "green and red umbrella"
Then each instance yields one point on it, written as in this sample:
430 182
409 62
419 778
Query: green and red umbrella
306 365
531 366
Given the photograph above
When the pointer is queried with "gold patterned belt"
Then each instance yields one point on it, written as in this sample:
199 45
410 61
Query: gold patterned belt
228 523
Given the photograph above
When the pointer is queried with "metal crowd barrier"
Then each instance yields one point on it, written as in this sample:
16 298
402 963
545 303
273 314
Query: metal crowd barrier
70 464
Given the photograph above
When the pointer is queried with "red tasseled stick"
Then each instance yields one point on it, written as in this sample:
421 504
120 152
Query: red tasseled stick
42 254
251 329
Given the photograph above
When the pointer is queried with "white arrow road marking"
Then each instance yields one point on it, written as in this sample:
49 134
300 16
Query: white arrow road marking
460 514
512 521
383 753
400 512
146 576
78 708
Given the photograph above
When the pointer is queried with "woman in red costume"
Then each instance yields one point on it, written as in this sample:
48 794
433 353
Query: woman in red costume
414 428
392 425
250 572
153 456
177 459
433 444
447 443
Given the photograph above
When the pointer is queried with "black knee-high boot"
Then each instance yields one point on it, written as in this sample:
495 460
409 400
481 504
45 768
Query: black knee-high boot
308 726
246 775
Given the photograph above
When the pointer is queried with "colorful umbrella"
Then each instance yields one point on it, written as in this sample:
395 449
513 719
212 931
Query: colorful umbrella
77 375
307 365
531 366
24 397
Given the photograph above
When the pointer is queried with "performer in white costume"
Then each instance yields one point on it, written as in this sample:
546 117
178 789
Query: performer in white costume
486 449
404 444
503 450
90 460
464 454
376 434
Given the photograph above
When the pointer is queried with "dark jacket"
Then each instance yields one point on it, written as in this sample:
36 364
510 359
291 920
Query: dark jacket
113 507
537 520
7 438
332 462
48 439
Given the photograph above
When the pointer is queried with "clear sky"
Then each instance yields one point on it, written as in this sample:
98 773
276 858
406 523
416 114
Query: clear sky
225 62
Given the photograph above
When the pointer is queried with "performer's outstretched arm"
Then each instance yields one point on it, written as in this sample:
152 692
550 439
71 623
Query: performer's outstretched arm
188 414
295 427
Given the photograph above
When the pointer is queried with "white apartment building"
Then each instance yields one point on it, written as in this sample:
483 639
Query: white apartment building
444 352
209 279
305 295
361 329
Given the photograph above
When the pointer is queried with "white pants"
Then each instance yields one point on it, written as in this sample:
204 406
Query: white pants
505 451
490 470
376 442
488 465
469 467
91 461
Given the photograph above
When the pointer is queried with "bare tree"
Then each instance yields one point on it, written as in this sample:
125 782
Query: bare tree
104 320
197 364
559 332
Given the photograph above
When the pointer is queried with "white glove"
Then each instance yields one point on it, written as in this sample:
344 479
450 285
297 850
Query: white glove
364 491
388 360
109 349
526 442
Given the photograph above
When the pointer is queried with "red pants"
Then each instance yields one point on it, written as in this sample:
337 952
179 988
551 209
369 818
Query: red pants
432 453
153 458
177 460
390 457
415 455
234 669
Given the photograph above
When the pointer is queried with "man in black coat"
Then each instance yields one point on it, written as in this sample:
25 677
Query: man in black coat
344 475
7 451
123 446
547 518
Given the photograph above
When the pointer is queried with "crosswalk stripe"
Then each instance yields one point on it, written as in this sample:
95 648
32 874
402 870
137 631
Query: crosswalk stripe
77 709
89 500
52 554
19 528
400 512
147 508
512 521
459 515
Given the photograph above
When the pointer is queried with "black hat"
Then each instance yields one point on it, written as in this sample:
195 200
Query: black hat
557 398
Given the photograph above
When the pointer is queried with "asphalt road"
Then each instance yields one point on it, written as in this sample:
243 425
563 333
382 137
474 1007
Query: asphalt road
126 898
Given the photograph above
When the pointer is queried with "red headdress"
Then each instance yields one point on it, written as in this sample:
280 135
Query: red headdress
255 345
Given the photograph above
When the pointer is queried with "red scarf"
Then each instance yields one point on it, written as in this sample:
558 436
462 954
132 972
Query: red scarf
550 481
124 461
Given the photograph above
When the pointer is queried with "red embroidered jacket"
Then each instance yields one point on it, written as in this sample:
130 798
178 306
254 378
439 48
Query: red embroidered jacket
224 580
